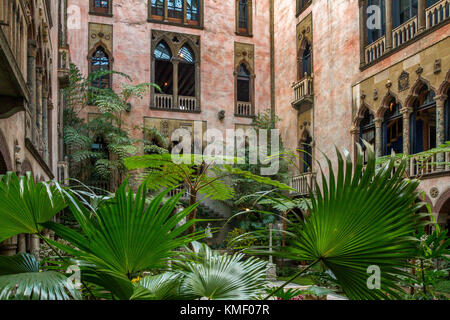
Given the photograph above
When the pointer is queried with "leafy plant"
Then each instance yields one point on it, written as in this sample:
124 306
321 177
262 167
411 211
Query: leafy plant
22 279
360 217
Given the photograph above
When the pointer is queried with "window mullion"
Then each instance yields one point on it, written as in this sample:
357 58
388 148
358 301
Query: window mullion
185 21
166 10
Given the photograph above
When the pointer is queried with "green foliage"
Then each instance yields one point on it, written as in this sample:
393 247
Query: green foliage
360 217
108 127
239 239
124 237
21 279
24 204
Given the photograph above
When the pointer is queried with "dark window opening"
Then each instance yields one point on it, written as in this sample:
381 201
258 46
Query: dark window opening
431 3
403 10
375 34
101 6
306 61
100 61
446 116
157 8
243 16
423 122
186 72
367 133
392 129
307 154
163 68
243 84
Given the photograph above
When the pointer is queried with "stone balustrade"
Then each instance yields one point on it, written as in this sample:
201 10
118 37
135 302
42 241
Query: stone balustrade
434 164
244 109
404 32
187 103
303 89
437 13
375 49
303 183
163 101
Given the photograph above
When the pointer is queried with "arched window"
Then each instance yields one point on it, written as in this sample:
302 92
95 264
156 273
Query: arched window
101 6
393 129
100 61
367 132
186 72
375 34
423 122
306 61
243 84
163 68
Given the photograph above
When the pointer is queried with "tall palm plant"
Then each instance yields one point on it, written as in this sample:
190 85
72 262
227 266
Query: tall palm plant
360 216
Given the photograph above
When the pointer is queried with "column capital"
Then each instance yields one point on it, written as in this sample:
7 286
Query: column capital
440 99
32 48
406 111
354 130
39 73
378 122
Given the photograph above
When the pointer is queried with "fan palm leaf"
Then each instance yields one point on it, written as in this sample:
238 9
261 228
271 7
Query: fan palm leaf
24 204
21 279
361 217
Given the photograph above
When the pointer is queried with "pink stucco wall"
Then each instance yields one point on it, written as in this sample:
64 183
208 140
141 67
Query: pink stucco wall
132 55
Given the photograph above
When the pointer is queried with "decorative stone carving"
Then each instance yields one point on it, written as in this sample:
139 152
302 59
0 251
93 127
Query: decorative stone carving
434 192
244 52
388 84
437 66
304 31
403 81
375 94
419 70
221 115
17 158
100 34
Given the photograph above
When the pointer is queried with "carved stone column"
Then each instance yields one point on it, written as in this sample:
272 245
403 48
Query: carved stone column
197 84
362 31
406 112
175 62
355 132
421 16
389 25
440 126
39 75
34 245
21 243
31 81
378 137
45 121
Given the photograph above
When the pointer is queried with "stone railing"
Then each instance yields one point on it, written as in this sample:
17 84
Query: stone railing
436 163
178 190
303 183
302 89
244 109
163 101
437 13
187 103
404 32
375 49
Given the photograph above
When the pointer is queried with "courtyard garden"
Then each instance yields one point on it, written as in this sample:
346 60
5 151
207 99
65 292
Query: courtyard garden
132 223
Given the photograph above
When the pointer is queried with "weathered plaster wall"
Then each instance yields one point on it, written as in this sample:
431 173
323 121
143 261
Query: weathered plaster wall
131 37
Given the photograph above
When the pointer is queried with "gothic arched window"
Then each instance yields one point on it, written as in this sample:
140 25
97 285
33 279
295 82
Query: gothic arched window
306 148
423 122
367 132
186 72
100 61
163 67
393 129
447 117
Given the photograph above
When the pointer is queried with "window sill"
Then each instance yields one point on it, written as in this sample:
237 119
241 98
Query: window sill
102 14
175 110
184 25
248 35
243 116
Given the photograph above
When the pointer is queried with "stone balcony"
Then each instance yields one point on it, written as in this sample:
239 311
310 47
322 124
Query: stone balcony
435 165
167 102
303 92
63 66
303 183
